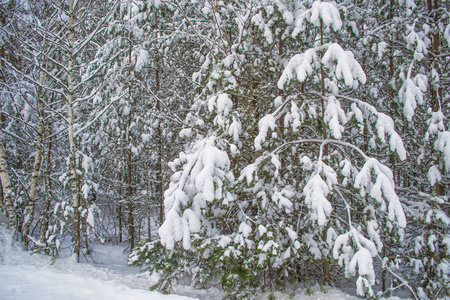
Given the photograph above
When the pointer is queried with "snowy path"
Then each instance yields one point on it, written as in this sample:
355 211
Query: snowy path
21 282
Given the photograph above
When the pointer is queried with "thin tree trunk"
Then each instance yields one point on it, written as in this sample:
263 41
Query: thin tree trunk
6 199
46 203
131 229
119 209
149 229
37 165
435 92
73 173
325 262
2 50
129 181
322 83
160 171
159 130
280 94
48 187
6 187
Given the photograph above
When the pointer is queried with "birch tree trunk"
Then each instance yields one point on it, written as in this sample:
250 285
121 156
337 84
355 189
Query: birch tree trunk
45 215
6 200
6 187
73 171
37 165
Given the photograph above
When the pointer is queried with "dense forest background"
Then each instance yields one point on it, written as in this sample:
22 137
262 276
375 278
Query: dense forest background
250 143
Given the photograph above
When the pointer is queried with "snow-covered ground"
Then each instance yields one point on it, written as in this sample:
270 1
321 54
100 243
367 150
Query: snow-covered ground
103 275
31 282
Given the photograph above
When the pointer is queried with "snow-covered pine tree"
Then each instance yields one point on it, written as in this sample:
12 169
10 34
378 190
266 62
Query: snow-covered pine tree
199 198
143 59
421 107
297 100
373 31
339 199
404 37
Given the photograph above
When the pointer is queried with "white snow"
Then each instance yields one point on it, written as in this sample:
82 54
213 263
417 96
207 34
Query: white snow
381 49
384 125
383 188
434 175
316 191
258 21
363 259
142 58
443 144
324 11
436 124
235 130
335 116
301 66
262 230
410 95
90 217
341 62
447 34
288 17
292 234
266 123
414 38
204 171
39 283
245 229
347 67
106 277
224 104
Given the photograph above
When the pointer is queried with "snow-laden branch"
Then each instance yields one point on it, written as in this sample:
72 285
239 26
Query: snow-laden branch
37 83
98 115
99 68
384 125
341 64
176 118
322 142
205 168
401 279
96 31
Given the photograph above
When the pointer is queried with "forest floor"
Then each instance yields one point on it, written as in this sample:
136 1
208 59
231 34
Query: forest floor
102 275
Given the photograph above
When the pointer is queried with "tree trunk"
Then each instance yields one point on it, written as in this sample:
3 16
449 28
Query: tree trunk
46 213
119 209
159 130
73 171
149 229
37 165
2 50
6 187
131 229
325 262
435 91
129 181
322 84
6 199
